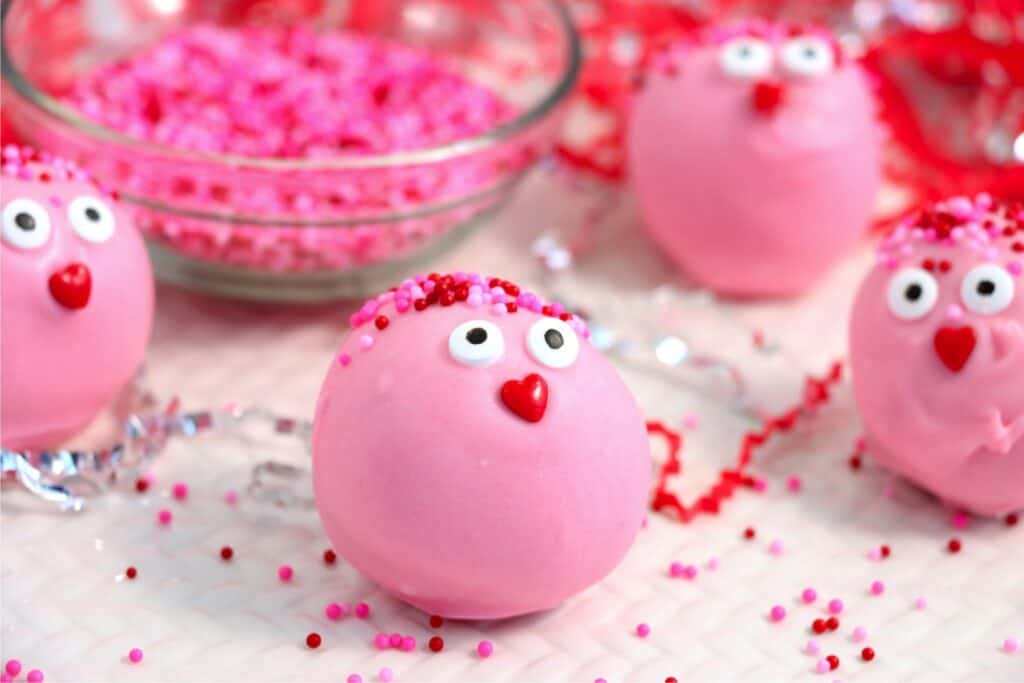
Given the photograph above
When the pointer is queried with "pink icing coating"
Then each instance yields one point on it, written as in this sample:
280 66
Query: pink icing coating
433 487
746 202
959 434
62 366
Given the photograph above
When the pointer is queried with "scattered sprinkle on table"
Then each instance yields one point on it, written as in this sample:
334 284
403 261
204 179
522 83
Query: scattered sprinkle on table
226 553
313 641
135 655
330 557
436 644
485 648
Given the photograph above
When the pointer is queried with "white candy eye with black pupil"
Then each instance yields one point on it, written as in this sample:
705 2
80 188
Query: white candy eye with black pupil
913 293
745 57
92 219
553 343
26 224
808 56
477 343
987 289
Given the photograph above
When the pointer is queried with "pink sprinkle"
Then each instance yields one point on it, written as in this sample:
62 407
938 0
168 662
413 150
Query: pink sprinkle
960 520
135 655
690 572
164 516
231 497
809 595
362 610
778 613
712 563
823 666
1015 267
794 484
776 547
877 587
35 676
835 606
13 667
6 678
180 491
365 342
408 644
344 359
875 554
333 611
643 630
382 641
691 421
285 573
813 647
675 569
355 678
1010 645
920 603
859 634
485 648
386 675
600 680
760 485
395 640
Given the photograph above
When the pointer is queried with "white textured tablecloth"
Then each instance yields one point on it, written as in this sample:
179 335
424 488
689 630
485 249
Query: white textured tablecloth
67 609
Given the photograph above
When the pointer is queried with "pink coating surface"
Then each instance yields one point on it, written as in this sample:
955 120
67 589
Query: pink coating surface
745 203
428 484
959 434
62 366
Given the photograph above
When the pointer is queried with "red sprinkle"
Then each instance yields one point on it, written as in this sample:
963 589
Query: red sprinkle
819 626
330 557
436 621
832 624
131 572
436 644
954 545
1012 519
867 654
671 679
749 533
313 641
886 551
226 553
141 485
833 661
381 322
855 462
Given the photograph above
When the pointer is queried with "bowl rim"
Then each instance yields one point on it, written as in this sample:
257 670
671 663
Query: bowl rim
525 120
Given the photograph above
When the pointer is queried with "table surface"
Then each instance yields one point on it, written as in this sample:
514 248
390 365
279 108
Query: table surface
68 609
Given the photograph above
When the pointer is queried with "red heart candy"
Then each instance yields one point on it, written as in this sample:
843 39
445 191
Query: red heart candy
527 398
72 286
954 346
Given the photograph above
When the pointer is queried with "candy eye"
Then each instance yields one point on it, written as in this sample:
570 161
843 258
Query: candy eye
476 343
553 343
745 57
92 219
913 293
26 224
987 289
808 56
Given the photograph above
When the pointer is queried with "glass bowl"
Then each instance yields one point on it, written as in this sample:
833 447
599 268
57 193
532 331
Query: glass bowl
205 216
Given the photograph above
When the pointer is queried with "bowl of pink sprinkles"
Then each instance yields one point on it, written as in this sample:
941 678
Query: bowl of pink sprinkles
297 150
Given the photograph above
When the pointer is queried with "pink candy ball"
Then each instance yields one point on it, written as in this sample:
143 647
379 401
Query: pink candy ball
1010 645
35 676
859 634
164 517
76 292
433 425
835 606
362 610
180 491
643 630
386 675
485 648
778 613
877 587
333 611
382 641
135 655
736 194
12 667
285 573
809 595
408 644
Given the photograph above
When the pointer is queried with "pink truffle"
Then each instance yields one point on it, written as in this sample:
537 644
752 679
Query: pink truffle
937 354
467 454
755 158
76 292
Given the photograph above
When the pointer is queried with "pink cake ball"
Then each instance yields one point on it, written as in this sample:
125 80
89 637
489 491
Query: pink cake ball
755 157
480 459
937 353
77 300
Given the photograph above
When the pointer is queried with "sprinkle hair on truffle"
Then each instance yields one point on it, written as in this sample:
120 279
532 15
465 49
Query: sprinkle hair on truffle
421 292
26 163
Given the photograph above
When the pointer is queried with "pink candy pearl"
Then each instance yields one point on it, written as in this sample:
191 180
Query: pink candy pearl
776 547
778 613
675 569
164 517
355 678
813 647
285 573
5 678
382 641
643 630
794 484
180 491
713 563
13 667
135 655
920 603
35 676
408 644
809 595
835 606
386 675
231 497
823 667
1010 645
333 611
395 640
344 359
877 587
859 634
362 610
485 648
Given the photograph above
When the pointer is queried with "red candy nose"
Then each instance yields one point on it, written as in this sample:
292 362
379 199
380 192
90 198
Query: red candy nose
768 96
527 398
72 286
955 346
